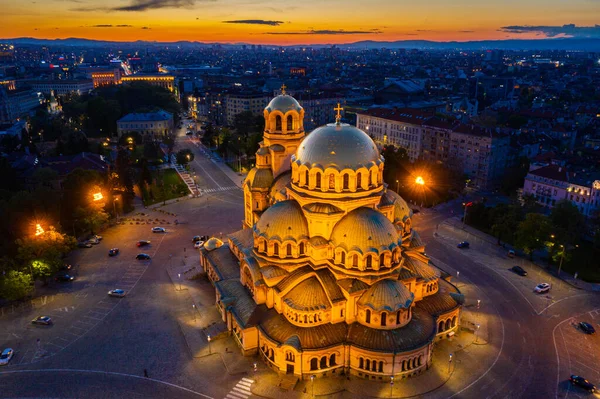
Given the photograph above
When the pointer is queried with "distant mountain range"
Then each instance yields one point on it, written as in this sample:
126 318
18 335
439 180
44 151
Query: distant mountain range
509 44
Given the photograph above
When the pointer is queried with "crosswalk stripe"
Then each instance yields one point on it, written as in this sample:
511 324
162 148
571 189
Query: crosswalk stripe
244 395
248 380
244 390
245 384
232 395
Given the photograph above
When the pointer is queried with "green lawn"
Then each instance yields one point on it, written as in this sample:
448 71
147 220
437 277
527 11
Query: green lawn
174 187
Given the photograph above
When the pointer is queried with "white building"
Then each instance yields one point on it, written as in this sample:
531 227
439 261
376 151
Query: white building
552 183
244 102
62 87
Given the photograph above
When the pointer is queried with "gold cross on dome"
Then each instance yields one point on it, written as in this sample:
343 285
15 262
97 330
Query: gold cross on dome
283 87
338 117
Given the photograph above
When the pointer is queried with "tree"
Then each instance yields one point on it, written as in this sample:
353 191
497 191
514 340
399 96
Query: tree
43 253
505 222
184 156
16 285
532 233
568 223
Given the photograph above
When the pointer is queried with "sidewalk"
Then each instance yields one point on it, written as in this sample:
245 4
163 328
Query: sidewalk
479 235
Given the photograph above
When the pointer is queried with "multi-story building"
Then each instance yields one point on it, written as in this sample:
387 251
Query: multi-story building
106 77
158 123
14 104
236 103
437 133
62 87
398 127
550 184
156 79
319 111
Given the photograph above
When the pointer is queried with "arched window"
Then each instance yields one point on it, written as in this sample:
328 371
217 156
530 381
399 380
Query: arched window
332 360
314 364
278 123
448 324
382 260
358 181
383 319
361 363
380 367
355 260
318 180
331 181
369 262
368 365
306 177
343 258
404 365
374 365
263 245
398 317
301 248
323 363
305 319
441 326
276 249
288 250
271 355
454 321
290 123
368 318
346 181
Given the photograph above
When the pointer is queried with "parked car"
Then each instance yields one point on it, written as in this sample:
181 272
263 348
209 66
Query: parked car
159 230
587 327
583 383
142 257
65 278
511 253
117 293
97 237
113 252
143 243
200 238
198 244
541 288
42 321
188 133
519 270
84 244
463 244
93 241
6 355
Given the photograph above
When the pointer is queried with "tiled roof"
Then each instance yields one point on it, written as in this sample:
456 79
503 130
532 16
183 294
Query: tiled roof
226 264
405 115
330 284
441 301
387 294
243 239
147 117
415 334
319 207
237 298
421 269
553 172
260 178
65 164
352 285
283 220
293 276
307 296
365 230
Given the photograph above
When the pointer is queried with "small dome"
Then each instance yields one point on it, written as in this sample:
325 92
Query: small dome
339 145
365 230
283 221
401 209
308 295
277 191
212 243
260 178
389 295
284 103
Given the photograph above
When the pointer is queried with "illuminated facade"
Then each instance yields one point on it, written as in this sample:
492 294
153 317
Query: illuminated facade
327 275
106 78
155 124
165 81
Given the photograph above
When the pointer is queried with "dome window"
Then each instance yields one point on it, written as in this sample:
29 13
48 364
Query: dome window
288 250
355 260
301 248
368 318
290 123
369 262
276 249
332 181
383 319
358 181
346 181
343 258
318 180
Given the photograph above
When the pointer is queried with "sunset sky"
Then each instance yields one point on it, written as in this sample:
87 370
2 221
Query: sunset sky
296 22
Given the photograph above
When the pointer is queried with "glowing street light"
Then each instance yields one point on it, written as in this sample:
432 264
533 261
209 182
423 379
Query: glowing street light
98 196
38 230
419 180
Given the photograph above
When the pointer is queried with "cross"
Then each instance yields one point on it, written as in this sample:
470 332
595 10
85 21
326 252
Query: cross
338 117
283 87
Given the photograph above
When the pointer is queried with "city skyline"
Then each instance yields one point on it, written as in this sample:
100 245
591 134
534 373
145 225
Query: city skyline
311 22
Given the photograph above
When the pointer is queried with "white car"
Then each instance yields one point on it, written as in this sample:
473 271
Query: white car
198 244
6 355
541 288
159 230
117 292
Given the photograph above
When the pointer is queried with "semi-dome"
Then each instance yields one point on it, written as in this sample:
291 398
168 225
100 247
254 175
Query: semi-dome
284 103
401 209
339 145
282 221
387 294
365 230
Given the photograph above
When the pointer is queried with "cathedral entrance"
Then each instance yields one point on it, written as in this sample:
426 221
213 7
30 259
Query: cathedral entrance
290 369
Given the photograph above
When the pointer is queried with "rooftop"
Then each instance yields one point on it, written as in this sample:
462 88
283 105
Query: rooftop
160 115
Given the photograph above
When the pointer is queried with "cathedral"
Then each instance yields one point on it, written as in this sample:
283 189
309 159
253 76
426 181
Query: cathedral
327 275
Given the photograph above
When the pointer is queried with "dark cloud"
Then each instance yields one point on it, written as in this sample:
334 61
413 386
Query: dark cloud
254 22
569 30
145 27
143 5
111 26
423 30
328 32
466 31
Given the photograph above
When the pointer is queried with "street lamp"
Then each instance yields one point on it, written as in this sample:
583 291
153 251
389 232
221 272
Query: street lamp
478 303
476 331
397 187
194 310
391 386
38 230
419 180
312 380
449 363
255 370
179 277
97 196
115 199
209 350
562 257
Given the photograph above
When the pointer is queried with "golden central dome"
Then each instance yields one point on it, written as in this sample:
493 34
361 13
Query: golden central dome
340 145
